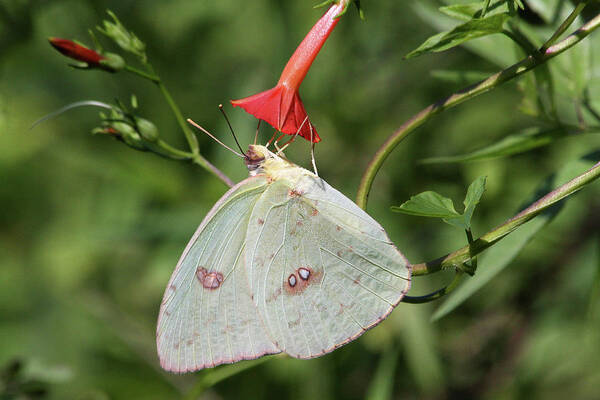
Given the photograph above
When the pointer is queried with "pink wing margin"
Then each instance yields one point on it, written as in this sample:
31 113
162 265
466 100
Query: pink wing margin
207 316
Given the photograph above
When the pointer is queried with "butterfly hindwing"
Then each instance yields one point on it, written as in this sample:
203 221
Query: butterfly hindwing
322 271
207 316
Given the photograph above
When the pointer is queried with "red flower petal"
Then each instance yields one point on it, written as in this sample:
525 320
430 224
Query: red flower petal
282 108
76 51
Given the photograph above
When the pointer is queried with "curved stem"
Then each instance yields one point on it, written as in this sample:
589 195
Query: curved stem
189 135
458 97
437 294
467 253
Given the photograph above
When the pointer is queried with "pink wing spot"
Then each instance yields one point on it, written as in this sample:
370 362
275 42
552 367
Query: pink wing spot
261 221
209 279
314 212
189 342
294 193
299 223
356 281
339 253
307 276
172 287
338 228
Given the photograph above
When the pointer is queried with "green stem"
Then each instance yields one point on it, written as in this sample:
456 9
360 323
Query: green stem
142 74
455 259
174 152
437 294
564 26
204 163
189 135
458 97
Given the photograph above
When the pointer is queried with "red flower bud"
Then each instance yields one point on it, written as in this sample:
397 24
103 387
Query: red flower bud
76 51
281 106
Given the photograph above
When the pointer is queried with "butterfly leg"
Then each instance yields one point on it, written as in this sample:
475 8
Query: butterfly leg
256 134
312 151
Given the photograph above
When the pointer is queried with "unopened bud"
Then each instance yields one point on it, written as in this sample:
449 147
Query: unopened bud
146 129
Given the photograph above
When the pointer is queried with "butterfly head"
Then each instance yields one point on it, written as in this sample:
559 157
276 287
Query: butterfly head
255 158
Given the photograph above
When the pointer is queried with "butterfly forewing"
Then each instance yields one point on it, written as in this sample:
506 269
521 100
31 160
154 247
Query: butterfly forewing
321 270
207 316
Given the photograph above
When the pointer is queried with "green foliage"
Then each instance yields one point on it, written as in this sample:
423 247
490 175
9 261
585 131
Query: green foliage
92 230
432 204
481 18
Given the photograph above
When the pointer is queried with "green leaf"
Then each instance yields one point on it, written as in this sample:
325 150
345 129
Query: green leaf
428 204
474 194
514 144
503 253
473 29
464 12
468 11
519 4
382 384
459 77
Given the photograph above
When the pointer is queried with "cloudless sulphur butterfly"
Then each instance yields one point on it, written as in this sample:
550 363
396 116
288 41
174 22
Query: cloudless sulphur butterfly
282 263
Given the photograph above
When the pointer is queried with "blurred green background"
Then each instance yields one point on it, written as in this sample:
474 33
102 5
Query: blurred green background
91 230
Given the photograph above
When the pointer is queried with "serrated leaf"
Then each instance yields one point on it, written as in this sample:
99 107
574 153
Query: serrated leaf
514 144
473 29
501 254
428 204
474 193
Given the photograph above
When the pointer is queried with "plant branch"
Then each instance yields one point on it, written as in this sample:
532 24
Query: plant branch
465 94
564 26
437 294
195 155
467 253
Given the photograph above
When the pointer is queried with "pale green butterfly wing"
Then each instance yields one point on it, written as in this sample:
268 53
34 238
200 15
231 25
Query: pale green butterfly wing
207 316
322 271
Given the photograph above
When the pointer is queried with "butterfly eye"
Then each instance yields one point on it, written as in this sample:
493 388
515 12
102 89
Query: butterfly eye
292 280
303 273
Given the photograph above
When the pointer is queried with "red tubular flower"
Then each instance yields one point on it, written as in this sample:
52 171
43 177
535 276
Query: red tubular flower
76 51
281 106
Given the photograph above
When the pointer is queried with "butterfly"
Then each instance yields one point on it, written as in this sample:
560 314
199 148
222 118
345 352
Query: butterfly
283 262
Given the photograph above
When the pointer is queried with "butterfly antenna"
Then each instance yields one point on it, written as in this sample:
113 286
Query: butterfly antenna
256 134
230 128
213 137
